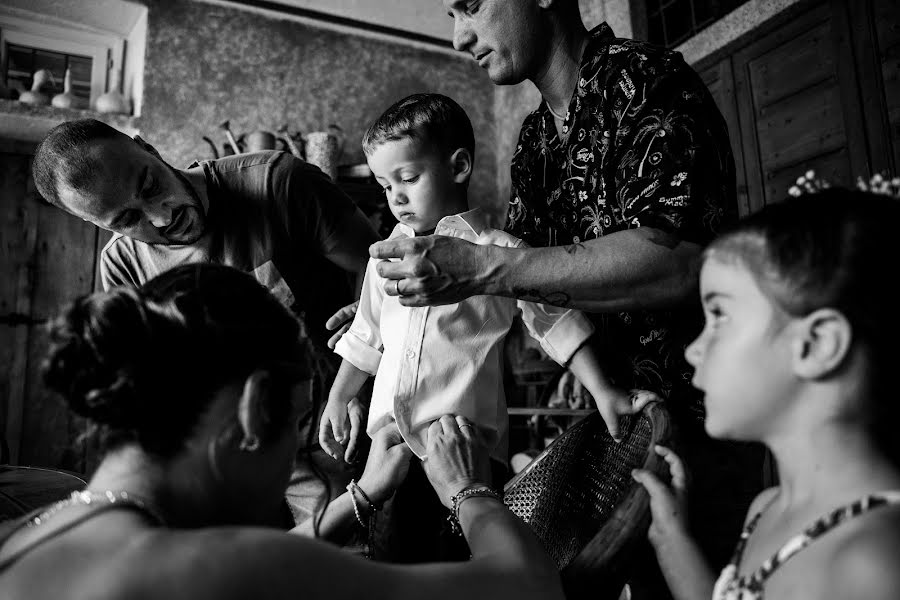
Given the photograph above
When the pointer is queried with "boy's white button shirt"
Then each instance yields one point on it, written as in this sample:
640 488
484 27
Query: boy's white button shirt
438 360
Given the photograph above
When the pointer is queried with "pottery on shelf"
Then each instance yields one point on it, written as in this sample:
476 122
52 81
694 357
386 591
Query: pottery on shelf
67 99
35 96
112 101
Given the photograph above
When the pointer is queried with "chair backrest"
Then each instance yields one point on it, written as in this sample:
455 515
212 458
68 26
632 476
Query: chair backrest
23 489
579 498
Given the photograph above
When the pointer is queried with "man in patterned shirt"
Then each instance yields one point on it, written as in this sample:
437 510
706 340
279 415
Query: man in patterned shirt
620 177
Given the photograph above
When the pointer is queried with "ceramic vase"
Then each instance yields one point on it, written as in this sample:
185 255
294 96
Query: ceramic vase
112 101
67 99
35 96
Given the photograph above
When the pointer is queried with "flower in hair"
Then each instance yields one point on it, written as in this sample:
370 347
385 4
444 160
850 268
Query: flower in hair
879 183
808 183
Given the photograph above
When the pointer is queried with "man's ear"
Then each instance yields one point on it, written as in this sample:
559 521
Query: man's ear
146 146
821 344
253 416
462 163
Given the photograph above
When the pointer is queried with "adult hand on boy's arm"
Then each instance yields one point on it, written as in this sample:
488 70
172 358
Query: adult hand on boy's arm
341 321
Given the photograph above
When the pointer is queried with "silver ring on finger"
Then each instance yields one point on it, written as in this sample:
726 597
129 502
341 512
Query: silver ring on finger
397 287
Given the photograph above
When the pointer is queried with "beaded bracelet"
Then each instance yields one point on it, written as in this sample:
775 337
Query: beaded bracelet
373 509
458 498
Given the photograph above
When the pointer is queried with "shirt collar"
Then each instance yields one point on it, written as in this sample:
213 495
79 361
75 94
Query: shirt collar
475 221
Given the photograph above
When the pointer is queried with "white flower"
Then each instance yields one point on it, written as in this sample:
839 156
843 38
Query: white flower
794 191
810 174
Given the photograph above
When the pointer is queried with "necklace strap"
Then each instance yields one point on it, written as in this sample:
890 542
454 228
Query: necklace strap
107 497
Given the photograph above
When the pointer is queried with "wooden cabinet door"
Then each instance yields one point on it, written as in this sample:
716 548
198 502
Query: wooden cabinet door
719 79
48 258
799 105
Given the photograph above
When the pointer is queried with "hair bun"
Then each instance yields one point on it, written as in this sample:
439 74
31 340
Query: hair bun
94 347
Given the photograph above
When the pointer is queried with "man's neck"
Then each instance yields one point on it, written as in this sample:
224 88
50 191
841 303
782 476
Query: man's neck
196 178
557 80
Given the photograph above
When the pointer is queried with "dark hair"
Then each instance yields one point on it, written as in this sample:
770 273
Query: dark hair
146 363
60 158
432 118
831 249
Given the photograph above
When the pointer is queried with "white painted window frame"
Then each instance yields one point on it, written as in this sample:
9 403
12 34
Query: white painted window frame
105 49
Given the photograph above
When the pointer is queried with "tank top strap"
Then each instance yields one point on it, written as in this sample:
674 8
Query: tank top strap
751 586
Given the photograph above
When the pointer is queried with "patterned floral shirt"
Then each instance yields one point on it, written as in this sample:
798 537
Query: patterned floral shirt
643 144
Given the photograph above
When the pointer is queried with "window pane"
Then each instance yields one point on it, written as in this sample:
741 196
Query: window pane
24 61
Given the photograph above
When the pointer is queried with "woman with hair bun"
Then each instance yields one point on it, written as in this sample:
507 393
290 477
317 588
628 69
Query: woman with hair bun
196 381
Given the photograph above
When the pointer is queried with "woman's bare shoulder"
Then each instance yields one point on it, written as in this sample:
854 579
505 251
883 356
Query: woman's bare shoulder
228 563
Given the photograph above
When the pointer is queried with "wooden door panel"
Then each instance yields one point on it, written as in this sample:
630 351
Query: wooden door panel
801 127
795 97
48 257
719 79
796 65
887 27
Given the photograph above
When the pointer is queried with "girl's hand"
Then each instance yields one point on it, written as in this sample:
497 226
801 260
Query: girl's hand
455 459
668 503
387 465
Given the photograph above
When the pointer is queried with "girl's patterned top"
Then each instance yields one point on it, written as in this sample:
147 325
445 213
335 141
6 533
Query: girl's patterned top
730 586
643 144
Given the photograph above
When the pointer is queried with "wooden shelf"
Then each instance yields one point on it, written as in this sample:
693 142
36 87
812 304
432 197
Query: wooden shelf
30 123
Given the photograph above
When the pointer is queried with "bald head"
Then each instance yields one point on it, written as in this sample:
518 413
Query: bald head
63 158
121 184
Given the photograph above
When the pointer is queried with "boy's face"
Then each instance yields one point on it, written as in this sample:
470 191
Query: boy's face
422 186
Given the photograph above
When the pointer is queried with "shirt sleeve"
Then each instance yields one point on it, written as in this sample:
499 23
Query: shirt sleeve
361 345
113 272
675 169
560 331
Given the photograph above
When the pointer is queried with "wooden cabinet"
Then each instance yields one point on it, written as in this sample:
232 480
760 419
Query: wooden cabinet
815 89
48 258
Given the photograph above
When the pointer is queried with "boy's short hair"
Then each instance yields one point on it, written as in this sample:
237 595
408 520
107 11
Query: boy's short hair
433 118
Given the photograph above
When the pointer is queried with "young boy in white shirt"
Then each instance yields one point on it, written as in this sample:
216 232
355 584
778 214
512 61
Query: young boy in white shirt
437 360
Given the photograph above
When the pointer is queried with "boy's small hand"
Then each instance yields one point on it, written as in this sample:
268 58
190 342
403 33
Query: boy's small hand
333 429
613 403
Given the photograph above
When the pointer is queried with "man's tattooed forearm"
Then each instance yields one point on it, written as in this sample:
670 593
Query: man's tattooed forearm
535 295
573 248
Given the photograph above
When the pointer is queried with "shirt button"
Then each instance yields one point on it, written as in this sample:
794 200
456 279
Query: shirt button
410 354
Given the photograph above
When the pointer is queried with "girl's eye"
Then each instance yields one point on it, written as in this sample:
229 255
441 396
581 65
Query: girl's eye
411 179
715 315
386 189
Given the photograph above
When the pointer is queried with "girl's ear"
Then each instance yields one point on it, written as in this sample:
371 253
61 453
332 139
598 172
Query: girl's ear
252 414
822 343
462 163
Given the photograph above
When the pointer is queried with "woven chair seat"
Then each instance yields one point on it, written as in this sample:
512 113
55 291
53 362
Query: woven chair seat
580 500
